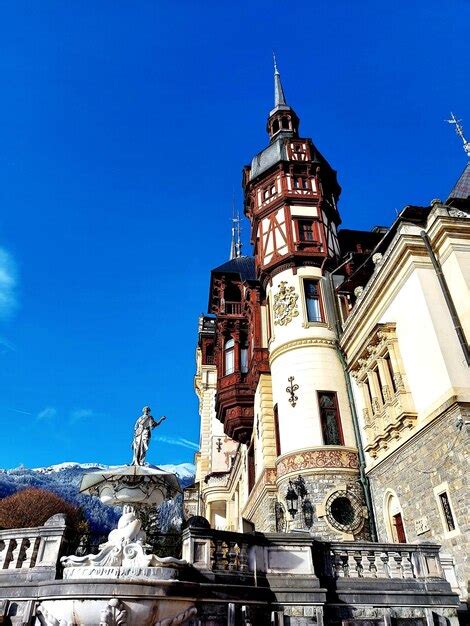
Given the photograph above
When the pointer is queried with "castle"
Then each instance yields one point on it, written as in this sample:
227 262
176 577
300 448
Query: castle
333 366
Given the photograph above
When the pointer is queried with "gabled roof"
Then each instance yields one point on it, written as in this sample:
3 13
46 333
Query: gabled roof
460 194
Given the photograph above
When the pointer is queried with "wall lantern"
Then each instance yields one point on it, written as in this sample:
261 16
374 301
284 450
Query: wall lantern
297 490
292 500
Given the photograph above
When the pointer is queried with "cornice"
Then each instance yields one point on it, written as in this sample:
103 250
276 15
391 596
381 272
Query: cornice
405 254
300 343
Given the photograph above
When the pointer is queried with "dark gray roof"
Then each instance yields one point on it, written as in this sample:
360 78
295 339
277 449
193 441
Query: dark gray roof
461 190
268 157
244 266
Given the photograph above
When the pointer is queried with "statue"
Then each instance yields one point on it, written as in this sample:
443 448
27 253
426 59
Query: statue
142 433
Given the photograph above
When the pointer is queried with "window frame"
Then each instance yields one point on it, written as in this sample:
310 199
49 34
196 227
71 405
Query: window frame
323 320
229 350
438 491
317 244
339 425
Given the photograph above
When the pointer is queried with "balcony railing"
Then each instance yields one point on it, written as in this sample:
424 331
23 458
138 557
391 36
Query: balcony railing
233 308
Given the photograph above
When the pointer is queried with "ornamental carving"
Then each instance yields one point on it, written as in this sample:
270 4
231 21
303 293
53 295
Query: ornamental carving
291 389
285 304
317 459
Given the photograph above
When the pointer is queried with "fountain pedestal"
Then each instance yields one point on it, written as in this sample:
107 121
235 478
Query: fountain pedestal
124 555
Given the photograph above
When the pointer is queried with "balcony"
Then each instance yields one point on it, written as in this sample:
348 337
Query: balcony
232 308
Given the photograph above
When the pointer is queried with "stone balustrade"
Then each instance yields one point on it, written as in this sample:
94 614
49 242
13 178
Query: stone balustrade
217 551
381 560
32 552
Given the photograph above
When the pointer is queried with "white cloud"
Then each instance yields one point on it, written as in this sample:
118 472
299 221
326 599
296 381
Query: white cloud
79 414
48 413
8 279
179 441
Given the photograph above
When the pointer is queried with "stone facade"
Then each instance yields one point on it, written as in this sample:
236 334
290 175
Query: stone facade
437 455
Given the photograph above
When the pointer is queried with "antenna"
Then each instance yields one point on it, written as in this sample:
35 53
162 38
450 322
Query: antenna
459 131
236 247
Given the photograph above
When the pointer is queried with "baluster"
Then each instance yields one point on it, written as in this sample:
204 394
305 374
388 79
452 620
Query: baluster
213 556
407 566
394 564
223 556
243 558
372 567
380 561
353 569
338 564
30 552
364 565
3 553
12 551
233 556
25 545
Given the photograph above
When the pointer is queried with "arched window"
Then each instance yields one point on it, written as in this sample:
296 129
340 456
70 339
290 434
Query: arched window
275 126
285 122
394 518
229 353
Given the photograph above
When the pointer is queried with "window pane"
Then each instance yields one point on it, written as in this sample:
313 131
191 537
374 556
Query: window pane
313 310
229 361
244 360
330 419
443 497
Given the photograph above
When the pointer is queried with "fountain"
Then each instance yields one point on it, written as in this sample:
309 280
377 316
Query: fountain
125 554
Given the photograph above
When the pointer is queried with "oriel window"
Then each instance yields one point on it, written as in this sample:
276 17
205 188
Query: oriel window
229 351
330 419
312 301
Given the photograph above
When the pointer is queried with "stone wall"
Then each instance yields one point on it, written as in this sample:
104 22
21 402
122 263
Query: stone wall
435 456
323 488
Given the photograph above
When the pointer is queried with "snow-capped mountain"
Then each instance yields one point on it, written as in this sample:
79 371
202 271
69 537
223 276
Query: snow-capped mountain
64 480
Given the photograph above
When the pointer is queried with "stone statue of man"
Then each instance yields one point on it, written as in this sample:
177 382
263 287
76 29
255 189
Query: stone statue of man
142 433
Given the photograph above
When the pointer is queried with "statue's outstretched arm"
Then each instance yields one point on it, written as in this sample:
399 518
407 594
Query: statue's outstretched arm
163 418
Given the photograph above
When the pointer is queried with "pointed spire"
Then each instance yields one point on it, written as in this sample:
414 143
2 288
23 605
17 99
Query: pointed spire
279 97
459 131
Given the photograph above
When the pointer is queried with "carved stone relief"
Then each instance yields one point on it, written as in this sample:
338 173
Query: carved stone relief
285 304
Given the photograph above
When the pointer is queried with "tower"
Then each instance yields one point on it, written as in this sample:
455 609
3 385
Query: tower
280 389
291 194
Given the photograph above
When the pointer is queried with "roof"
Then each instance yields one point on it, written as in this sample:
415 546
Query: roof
461 190
244 266
268 157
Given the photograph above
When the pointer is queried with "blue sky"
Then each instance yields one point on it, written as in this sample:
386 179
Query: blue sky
123 130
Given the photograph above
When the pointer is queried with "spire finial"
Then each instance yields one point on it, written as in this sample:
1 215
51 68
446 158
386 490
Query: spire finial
276 71
459 131
279 97
236 245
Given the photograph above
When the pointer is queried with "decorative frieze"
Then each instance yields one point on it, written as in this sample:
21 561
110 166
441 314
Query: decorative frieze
317 459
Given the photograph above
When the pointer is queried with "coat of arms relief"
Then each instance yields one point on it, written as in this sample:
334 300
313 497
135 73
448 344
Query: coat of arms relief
285 304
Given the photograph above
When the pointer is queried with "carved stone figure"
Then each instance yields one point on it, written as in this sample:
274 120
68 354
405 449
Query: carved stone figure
142 433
